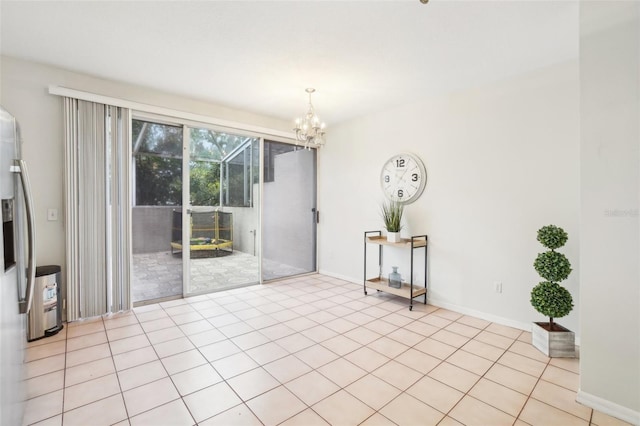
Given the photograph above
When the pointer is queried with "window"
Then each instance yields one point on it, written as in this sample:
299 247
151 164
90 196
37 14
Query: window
207 149
222 166
239 174
157 156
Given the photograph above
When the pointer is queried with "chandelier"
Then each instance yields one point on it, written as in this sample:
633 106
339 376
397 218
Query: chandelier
309 130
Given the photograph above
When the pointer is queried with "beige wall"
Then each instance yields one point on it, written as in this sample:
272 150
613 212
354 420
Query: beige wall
24 93
502 161
610 195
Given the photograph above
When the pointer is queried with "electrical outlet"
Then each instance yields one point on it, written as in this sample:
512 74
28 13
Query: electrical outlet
497 286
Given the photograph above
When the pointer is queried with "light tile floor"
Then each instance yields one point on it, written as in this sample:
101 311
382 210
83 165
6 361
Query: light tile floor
305 351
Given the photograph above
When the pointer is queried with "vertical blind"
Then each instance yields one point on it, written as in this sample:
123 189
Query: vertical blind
97 202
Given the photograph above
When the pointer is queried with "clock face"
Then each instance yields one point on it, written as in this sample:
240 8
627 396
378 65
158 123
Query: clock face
403 178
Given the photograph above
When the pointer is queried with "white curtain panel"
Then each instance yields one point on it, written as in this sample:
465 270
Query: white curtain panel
97 202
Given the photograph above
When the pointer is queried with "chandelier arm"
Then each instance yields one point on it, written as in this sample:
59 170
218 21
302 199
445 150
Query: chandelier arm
309 130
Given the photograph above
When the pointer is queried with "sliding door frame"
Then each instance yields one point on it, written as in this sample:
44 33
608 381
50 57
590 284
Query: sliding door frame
186 125
262 200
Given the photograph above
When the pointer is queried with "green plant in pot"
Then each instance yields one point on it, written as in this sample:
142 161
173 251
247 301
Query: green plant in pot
392 217
550 298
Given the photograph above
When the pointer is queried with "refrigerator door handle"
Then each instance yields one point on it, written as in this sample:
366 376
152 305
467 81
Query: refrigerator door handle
21 169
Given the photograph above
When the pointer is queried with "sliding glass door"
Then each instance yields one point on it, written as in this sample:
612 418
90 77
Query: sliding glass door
222 211
156 171
289 211
198 221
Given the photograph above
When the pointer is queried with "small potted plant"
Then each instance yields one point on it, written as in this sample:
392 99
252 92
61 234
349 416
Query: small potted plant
550 298
392 216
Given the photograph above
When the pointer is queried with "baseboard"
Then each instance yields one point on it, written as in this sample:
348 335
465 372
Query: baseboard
340 277
526 326
607 407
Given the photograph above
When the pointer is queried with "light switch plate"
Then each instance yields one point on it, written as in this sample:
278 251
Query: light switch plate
52 214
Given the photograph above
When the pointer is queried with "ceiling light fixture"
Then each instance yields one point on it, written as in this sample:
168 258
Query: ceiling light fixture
309 129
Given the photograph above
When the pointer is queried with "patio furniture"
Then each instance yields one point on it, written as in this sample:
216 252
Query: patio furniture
211 233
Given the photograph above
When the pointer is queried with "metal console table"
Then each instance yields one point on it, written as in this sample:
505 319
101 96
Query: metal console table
380 283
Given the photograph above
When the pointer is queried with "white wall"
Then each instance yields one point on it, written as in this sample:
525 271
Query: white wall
24 93
245 223
610 188
502 161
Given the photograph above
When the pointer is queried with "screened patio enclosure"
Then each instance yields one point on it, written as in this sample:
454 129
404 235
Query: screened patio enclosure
210 199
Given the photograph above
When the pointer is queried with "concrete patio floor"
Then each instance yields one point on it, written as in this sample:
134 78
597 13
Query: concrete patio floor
159 275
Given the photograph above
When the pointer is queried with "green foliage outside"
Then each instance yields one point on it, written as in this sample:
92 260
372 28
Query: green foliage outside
548 297
205 183
158 181
157 150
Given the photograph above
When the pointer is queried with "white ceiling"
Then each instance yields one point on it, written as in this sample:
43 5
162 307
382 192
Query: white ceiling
259 56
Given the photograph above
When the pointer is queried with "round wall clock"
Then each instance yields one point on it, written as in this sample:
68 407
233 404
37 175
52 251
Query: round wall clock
403 178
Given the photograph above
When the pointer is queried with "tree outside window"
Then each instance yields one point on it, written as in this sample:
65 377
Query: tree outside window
157 157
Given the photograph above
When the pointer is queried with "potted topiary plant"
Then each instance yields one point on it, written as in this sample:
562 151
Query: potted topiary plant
550 298
392 217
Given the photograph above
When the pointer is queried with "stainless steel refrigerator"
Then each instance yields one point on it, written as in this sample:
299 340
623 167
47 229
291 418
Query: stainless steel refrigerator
17 271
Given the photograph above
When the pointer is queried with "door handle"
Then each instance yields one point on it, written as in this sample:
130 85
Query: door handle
21 169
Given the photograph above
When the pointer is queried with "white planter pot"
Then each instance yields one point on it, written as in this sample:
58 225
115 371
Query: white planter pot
393 237
555 344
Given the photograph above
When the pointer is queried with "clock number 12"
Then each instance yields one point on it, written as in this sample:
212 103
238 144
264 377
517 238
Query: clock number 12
400 162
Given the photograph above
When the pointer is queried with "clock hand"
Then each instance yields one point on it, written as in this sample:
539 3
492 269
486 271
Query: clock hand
401 177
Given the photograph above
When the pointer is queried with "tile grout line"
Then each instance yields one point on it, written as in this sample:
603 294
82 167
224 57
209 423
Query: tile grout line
180 397
447 414
64 380
243 402
354 309
165 369
312 370
529 396
344 388
377 411
115 370
539 379
224 380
